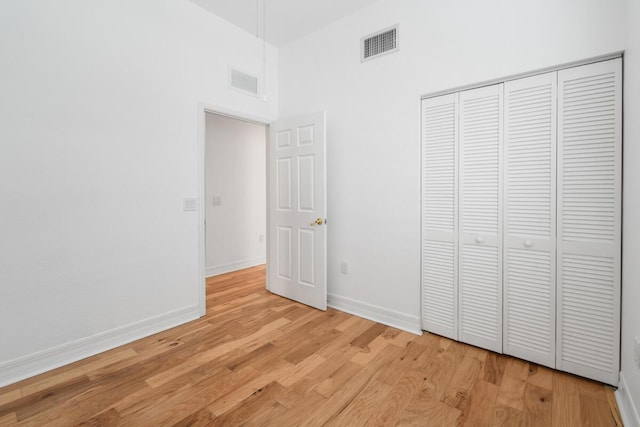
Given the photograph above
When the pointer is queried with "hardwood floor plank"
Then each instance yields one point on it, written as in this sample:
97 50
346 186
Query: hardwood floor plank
8 420
343 339
505 416
481 403
259 401
339 400
214 353
514 380
566 401
259 359
46 399
69 374
540 376
538 403
389 409
360 411
299 371
369 335
306 387
427 407
338 379
367 354
494 368
309 347
201 418
461 384
108 418
401 363
10 396
442 367
593 414
238 395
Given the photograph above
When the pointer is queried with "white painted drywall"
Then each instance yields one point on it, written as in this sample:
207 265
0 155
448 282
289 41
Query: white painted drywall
373 113
98 147
236 175
631 209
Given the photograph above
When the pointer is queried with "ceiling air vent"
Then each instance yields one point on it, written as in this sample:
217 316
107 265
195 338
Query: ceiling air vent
243 81
379 43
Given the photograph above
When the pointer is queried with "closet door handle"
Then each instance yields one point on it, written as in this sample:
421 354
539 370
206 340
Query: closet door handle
528 243
479 239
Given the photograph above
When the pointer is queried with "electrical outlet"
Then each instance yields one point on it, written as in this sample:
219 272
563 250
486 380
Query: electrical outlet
636 352
344 267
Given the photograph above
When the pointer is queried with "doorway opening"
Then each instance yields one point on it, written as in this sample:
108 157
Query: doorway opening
205 267
235 194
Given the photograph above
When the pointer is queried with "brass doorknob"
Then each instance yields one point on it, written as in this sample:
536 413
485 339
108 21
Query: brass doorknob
318 221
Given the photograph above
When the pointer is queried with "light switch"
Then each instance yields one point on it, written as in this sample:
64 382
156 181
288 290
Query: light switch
217 200
189 204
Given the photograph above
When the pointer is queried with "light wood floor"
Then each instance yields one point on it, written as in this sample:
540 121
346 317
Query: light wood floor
258 359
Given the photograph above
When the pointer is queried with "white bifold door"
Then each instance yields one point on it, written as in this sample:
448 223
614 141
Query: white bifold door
440 215
461 216
297 253
530 218
589 226
480 198
521 218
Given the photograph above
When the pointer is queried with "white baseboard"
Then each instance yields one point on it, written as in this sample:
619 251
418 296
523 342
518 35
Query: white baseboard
628 410
234 266
33 364
377 314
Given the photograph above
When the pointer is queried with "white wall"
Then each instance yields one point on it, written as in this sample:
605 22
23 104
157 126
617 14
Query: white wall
236 173
631 214
373 115
98 148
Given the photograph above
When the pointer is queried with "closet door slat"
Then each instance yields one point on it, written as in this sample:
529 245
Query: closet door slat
480 198
439 216
530 218
589 220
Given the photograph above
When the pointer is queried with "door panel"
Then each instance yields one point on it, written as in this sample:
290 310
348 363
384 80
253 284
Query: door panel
439 216
530 218
296 264
589 219
284 253
480 271
283 186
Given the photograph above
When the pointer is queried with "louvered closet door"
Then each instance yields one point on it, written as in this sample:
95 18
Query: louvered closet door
439 216
480 252
589 215
530 218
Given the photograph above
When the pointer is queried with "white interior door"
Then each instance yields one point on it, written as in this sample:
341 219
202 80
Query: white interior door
480 229
297 255
440 215
589 219
530 218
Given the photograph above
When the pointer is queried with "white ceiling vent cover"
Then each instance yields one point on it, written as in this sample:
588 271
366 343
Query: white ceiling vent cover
243 81
378 44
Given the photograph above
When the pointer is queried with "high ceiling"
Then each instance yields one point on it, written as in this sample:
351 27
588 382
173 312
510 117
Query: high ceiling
286 20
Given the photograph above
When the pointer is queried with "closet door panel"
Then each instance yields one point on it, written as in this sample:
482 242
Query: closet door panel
530 219
480 198
439 216
589 220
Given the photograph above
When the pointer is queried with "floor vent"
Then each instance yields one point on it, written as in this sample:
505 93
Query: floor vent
379 43
244 82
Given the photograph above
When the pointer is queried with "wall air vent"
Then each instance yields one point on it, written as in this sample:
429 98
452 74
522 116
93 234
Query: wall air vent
379 43
243 81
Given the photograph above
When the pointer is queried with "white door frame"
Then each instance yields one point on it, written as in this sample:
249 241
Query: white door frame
203 109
